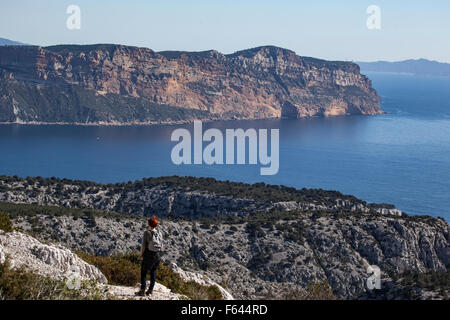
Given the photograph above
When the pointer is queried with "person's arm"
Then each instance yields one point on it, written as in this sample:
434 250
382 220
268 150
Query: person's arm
144 242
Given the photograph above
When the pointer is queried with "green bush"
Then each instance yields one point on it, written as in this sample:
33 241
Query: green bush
438 281
119 270
320 291
315 291
5 222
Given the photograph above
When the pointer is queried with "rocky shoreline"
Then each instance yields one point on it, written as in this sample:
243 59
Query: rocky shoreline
127 124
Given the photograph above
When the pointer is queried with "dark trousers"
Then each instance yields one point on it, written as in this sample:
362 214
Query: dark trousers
150 263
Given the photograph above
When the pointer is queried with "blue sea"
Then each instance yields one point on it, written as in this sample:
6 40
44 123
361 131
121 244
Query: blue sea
401 157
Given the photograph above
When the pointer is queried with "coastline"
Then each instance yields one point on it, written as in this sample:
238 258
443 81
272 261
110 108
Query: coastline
172 122
124 124
101 123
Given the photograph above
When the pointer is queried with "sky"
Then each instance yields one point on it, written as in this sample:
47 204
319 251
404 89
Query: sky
327 29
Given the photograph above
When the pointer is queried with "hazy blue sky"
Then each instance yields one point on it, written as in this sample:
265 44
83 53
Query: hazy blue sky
328 29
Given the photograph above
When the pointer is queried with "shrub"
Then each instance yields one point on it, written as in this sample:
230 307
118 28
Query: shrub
315 291
438 281
119 269
5 222
320 291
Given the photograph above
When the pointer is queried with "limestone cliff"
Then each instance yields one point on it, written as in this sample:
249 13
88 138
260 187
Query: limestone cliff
122 84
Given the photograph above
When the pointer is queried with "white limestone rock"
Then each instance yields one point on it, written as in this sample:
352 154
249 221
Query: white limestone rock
54 261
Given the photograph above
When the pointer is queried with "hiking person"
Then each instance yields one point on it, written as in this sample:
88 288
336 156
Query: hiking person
150 251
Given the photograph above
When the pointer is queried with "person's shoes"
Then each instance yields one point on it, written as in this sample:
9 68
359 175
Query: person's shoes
149 292
140 293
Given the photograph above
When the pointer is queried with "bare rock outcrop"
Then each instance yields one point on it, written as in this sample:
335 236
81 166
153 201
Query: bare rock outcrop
54 261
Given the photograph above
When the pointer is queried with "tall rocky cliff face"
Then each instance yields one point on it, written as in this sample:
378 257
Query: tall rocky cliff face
115 83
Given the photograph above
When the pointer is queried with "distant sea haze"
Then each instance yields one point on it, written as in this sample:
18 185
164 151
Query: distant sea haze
421 67
401 157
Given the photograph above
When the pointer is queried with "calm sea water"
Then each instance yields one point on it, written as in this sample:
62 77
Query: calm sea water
402 157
